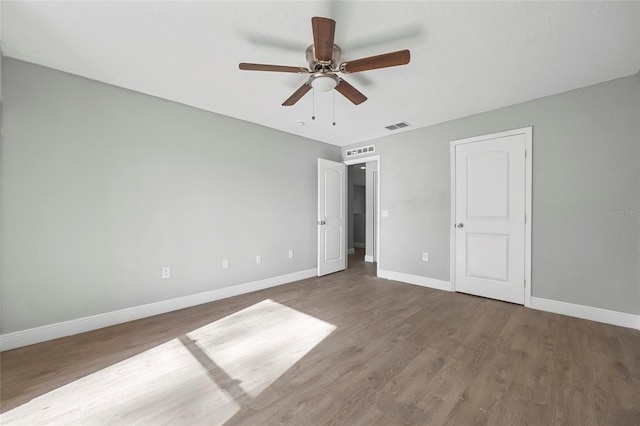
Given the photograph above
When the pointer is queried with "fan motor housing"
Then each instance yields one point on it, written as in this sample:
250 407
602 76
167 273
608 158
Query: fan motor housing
316 65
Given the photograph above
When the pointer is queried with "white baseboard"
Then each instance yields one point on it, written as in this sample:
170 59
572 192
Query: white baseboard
351 250
81 325
415 279
360 245
368 258
587 312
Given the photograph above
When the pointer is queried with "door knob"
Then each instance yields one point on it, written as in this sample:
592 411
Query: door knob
322 222
460 225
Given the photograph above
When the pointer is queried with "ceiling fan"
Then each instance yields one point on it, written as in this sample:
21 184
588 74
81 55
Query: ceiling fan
323 57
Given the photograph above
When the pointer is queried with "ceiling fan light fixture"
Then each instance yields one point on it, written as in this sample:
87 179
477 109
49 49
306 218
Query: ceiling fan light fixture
323 58
323 81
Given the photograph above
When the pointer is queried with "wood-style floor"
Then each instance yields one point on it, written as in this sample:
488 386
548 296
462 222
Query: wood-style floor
345 349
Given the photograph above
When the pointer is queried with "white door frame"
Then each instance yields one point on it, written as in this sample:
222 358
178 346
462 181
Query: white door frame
528 132
362 160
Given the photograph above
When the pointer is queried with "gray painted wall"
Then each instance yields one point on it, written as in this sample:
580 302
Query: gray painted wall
586 170
102 187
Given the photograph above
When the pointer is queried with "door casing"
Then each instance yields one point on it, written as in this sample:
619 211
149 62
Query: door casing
363 160
528 133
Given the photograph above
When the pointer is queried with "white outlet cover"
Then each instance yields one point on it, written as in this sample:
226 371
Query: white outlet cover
258 259
385 213
166 272
290 254
225 264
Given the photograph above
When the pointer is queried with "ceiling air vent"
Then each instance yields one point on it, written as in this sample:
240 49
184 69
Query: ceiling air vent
399 125
361 150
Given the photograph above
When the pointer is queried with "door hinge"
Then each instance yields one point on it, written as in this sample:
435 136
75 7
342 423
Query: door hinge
526 153
525 283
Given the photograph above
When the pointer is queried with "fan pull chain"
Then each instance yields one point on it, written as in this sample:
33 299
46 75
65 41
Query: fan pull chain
334 107
313 103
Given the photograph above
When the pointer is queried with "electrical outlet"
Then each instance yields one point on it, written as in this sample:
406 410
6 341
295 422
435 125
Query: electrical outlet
258 259
166 272
290 254
425 256
225 264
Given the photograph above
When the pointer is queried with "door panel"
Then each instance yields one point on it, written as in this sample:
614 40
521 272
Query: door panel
333 243
332 202
488 256
490 218
487 182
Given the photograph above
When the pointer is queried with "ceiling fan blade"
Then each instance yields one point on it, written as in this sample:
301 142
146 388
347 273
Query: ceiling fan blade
297 95
323 32
401 57
350 92
278 68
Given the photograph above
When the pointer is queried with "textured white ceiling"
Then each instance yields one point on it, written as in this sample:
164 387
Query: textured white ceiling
466 57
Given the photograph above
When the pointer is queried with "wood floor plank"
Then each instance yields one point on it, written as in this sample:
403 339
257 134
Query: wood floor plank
630 346
516 411
344 349
571 398
356 388
613 391
485 392
530 341
399 397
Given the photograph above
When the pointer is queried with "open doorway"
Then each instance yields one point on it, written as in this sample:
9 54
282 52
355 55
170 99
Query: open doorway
363 208
356 208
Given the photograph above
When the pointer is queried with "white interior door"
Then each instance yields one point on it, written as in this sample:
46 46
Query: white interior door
489 216
332 224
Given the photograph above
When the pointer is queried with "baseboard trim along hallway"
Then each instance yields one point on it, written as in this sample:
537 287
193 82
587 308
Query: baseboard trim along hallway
94 322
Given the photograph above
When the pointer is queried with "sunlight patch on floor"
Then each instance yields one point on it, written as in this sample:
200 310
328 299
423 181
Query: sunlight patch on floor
137 390
205 376
257 345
